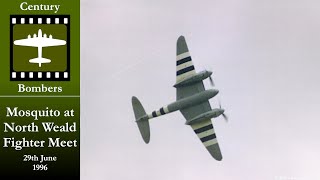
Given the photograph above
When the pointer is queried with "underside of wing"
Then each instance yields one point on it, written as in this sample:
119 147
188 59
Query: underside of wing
204 129
196 110
185 66
185 70
206 134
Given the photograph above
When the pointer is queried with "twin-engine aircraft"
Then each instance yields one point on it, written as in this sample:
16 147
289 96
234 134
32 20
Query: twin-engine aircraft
192 102
40 41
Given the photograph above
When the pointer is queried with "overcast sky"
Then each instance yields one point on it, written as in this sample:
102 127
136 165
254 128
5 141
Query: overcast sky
265 60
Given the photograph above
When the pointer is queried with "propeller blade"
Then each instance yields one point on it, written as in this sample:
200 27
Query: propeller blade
211 81
225 117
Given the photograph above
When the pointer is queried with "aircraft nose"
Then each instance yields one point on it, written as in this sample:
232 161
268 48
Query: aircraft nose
210 73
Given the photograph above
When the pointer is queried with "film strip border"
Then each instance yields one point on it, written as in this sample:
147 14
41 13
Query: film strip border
40 76
39 20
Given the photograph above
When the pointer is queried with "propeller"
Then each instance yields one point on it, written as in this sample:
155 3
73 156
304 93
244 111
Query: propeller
210 77
208 70
225 117
211 81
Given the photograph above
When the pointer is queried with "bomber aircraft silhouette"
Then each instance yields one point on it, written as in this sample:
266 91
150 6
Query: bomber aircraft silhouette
39 42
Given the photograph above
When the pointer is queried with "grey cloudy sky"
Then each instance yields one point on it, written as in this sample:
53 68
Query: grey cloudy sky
265 58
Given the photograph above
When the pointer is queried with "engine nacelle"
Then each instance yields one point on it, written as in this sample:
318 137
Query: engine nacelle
205 116
194 79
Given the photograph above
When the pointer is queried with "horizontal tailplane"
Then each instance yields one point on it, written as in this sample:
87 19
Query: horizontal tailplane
142 119
40 60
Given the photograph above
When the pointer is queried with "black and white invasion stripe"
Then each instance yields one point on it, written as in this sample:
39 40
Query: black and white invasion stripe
205 132
185 66
162 111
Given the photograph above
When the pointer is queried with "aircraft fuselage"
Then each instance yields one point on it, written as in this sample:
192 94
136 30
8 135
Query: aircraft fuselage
193 100
184 103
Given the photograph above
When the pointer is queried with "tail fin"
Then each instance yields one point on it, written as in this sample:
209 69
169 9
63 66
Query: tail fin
142 119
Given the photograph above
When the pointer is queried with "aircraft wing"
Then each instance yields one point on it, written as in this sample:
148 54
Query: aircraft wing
203 129
36 42
26 42
207 135
47 42
185 69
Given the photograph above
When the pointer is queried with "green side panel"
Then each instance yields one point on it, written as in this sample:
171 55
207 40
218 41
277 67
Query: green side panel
37 96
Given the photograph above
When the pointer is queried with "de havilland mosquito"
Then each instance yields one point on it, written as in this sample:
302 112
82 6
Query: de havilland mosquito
192 101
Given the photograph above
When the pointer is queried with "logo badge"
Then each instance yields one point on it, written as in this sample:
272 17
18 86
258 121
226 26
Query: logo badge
40 48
